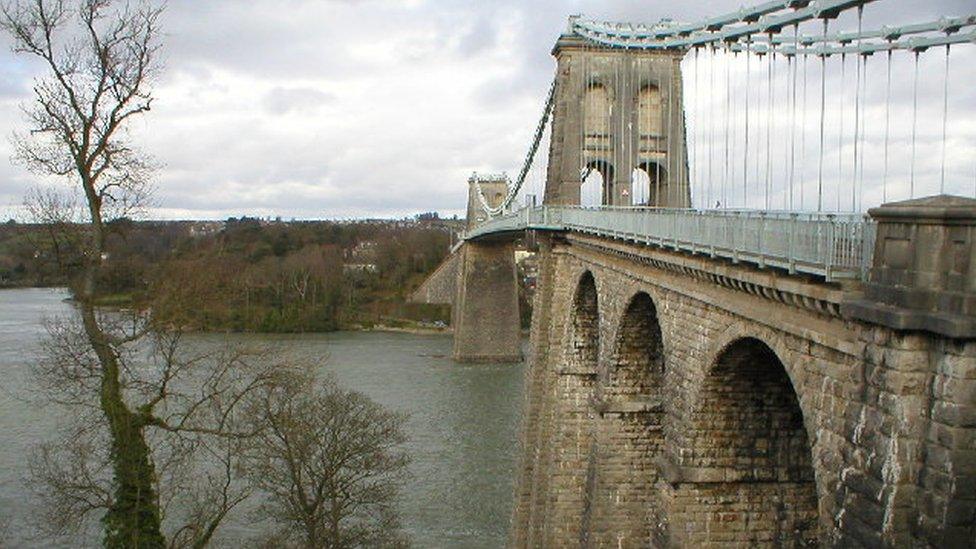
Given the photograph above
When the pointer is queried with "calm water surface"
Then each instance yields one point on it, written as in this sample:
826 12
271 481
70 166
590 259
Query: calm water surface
463 420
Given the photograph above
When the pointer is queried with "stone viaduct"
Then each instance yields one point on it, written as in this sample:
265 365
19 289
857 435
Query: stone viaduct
679 399
673 401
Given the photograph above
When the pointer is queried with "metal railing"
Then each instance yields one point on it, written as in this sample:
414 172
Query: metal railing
830 245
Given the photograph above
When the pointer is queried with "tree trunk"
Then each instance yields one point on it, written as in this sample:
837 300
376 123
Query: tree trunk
132 520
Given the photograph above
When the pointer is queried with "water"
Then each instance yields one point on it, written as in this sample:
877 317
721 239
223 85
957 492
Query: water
463 421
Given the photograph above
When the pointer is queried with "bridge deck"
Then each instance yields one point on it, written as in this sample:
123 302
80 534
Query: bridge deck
830 245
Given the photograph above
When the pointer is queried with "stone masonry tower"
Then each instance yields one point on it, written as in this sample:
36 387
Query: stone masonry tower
494 189
486 311
618 112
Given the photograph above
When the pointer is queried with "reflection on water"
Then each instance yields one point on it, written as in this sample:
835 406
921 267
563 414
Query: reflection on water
463 419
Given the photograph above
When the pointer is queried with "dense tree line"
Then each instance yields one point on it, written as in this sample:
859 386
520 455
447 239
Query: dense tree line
247 275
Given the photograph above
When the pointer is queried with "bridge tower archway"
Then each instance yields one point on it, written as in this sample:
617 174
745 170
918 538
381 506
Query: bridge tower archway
597 187
629 434
747 456
649 184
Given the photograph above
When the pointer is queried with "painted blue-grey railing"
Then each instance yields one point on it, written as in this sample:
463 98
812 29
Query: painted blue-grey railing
830 245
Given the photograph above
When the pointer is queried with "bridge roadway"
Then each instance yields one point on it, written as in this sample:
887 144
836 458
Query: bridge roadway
834 246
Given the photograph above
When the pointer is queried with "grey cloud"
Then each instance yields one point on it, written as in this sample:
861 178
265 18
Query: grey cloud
314 108
296 100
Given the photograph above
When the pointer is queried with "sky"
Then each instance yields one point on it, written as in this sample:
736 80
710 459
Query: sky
316 109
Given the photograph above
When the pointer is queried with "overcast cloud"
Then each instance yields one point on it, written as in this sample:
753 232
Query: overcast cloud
351 108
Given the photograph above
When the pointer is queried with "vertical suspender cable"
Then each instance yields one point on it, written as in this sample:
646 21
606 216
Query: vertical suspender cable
625 112
887 131
728 99
803 135
657 137
618 149
583 90
734 137
770 94
680 158
840 127
911 178
636 199
857 111
695 171
857 135
794 66
823 98
864 119
745 153
671 171
945 119
760 181
711 122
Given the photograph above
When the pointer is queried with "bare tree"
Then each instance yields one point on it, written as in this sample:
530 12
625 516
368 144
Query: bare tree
193 405
62 232
159 432
100 56
330 463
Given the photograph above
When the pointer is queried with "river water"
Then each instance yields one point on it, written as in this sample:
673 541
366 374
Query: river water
463 421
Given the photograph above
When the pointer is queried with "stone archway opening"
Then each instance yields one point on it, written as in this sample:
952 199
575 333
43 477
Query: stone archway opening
596 187
638 367
629 437
749 470
585 326
573 421
649 186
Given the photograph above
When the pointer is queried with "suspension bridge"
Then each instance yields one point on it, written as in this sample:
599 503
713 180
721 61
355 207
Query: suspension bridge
755 313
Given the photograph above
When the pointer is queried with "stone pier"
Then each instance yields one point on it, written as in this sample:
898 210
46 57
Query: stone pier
485 318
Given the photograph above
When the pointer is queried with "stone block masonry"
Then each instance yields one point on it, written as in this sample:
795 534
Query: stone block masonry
665 409
486 312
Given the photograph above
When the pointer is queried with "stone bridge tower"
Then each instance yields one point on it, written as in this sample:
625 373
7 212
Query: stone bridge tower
618 112
486 312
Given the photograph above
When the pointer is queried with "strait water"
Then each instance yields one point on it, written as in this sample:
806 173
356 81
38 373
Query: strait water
463 422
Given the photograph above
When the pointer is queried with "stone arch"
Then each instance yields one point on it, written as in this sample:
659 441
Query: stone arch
650 115
747 458
585 326
573 421
629 434
638 363
596 185
597 108
649 184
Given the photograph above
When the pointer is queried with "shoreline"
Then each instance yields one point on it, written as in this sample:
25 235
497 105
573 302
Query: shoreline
401 330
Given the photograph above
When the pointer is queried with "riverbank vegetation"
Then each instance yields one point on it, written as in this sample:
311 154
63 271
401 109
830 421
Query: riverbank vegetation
246 274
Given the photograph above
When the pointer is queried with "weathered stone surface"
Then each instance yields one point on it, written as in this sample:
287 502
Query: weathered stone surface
924 272
740 424
486 313
440 286
592 81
